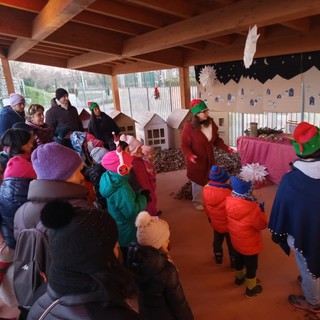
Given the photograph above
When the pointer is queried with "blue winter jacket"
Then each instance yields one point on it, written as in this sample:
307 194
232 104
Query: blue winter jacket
8 117
123 204
13 194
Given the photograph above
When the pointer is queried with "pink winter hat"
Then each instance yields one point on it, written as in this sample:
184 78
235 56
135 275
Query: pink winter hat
111 160
133 143
16 98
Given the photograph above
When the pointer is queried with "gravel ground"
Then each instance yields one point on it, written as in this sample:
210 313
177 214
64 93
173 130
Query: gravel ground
173 159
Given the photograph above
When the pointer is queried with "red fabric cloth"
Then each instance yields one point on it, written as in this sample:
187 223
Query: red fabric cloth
276 156
194 142
214 200
245 221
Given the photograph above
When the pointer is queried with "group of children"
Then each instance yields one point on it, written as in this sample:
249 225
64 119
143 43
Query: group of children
237 216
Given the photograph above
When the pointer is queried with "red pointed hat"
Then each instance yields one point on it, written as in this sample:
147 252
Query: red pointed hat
306 139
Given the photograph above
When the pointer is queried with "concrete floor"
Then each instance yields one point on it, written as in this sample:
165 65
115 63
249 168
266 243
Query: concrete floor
209 287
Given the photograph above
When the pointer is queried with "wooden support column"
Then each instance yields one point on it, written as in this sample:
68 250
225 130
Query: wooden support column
184 87
115 93
7 75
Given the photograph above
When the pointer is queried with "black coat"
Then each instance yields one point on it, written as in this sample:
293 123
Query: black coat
102 128
161 294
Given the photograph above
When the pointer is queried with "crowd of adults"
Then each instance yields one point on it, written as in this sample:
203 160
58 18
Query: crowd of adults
84 189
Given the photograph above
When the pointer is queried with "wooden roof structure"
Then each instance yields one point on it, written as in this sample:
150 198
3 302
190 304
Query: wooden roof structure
124 36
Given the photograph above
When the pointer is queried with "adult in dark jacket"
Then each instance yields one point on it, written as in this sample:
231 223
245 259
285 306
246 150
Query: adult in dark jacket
294 219
62 114
85 279
161 294
198 138
9 115
101 125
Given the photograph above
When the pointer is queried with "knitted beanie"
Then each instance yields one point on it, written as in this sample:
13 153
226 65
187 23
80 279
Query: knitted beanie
218 174
60 92
111 160
241 187
52 161
197 106
146 150
16 98
62 132
151 231
92 105
306 139
133 143
19 167
81 244
97 154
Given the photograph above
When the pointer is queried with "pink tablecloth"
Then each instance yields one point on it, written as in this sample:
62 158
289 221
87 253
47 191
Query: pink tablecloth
276 156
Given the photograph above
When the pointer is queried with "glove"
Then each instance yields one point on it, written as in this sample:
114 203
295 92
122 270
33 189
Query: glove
193 158
146 193
261 205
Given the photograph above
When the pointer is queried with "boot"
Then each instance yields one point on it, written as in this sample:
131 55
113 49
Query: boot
239 277
218 257
253 288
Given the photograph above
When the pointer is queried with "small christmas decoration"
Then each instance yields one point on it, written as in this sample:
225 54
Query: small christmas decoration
250 47
156 93
208 76
253 172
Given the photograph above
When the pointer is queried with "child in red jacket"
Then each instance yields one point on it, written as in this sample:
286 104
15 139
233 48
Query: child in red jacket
246 220
214 198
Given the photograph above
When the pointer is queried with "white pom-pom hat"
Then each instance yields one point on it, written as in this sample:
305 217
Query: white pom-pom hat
151 231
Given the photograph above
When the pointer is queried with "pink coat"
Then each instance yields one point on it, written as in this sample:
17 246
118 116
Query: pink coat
245 220
194 142
214 200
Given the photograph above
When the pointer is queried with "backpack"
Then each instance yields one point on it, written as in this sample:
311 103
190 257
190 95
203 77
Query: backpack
31 264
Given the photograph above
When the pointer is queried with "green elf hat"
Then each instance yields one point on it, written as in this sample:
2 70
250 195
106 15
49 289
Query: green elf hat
92 105
306 139
197 106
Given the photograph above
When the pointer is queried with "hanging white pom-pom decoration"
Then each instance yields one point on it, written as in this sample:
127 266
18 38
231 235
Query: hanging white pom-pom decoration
253 172
207 76
251 46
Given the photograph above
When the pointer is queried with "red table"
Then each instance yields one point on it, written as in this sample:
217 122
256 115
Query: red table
276 156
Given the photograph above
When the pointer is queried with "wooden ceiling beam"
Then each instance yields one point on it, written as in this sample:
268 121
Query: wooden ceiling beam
32 6
240 15
223 40
130 13
303 24
54 15
179 8
170 57
281 45
110 23
91 58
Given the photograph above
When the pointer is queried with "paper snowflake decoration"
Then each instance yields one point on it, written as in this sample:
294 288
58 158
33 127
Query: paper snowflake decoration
253 172
250 47
208 76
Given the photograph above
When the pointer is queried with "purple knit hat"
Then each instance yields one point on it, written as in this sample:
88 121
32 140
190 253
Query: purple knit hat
16 98
52 161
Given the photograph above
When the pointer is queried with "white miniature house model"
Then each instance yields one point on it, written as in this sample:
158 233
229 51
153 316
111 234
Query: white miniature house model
152 130
176 121
126 124
221 119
